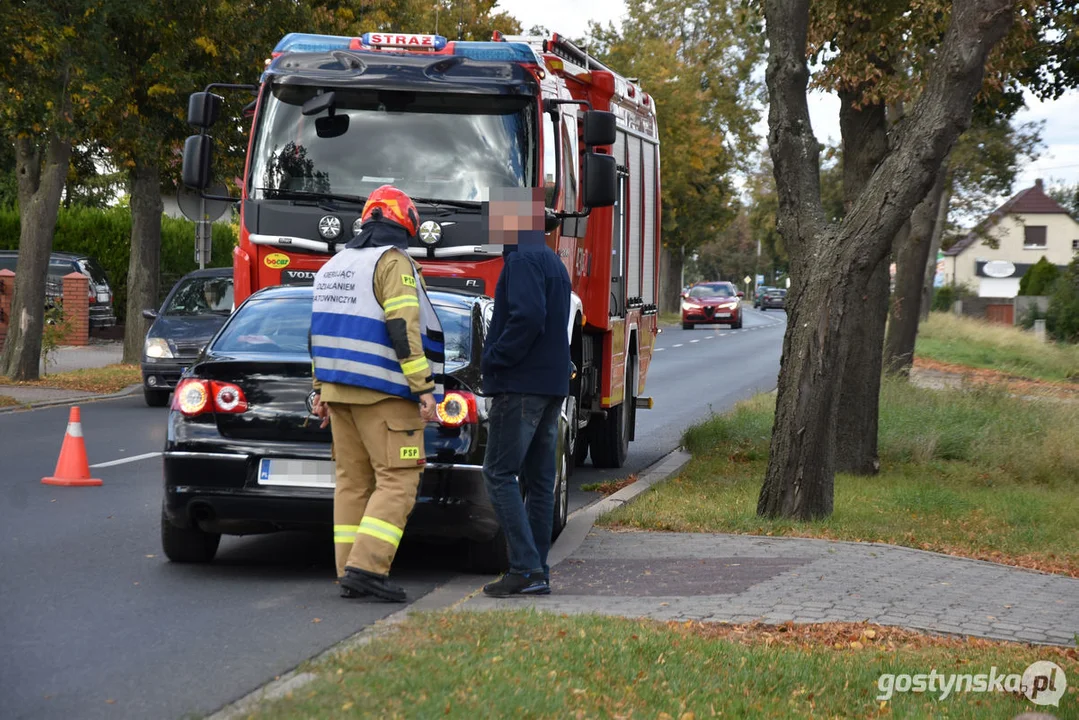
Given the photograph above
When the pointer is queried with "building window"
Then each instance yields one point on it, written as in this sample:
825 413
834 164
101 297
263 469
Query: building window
1075 245
1034 236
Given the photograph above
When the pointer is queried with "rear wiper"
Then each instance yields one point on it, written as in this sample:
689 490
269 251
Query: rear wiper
471 205
284 194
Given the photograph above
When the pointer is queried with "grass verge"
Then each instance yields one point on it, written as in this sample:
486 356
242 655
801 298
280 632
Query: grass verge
540 665
950 338
670 319
8 401
108 379
974 473
610 487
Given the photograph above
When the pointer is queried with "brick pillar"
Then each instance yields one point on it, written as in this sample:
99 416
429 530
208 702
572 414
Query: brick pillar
7 289
77 308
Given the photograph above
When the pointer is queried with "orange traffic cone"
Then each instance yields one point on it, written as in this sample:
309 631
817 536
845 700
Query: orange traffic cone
72 468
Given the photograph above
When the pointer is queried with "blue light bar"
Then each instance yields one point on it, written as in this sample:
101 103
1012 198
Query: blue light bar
495 51
307 42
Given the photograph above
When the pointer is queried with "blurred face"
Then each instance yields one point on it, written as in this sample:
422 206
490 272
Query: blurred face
513 210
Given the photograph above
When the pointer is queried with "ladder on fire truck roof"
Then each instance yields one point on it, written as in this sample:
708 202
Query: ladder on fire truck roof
563 48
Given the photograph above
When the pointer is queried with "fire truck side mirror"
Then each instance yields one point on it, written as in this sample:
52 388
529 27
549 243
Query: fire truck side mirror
203 109
551 220
600 180
198 161
599 128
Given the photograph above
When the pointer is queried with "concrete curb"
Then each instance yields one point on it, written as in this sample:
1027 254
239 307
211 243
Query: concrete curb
454 592
129 390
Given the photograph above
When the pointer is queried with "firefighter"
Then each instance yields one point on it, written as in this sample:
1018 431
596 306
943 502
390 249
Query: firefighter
376 346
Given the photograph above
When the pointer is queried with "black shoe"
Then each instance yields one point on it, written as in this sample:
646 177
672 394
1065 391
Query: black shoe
351 594
517 584
369 583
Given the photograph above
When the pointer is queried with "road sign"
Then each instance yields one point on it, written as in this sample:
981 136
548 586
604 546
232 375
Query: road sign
747 279
197 208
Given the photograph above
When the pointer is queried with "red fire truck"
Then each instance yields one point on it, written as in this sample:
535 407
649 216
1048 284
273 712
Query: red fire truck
336 117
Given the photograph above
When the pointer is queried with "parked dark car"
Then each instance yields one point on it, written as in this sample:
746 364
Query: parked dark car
61 264
712 303
774 298
244 454
192 313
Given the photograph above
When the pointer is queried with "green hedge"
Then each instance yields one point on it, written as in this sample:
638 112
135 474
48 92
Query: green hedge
106 236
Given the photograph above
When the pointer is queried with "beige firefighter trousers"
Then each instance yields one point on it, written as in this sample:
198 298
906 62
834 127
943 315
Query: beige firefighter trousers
379 456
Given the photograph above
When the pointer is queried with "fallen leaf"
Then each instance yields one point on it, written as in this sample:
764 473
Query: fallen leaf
856 645
151 555
317 620
347 706
110 701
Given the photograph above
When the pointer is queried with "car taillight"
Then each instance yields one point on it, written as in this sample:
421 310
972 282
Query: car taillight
194 396
191 397
457 409
228 398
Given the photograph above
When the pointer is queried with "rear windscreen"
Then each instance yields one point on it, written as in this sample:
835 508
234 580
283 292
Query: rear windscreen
271 326
280 325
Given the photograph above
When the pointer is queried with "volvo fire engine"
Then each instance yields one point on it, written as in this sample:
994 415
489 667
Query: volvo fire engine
336 117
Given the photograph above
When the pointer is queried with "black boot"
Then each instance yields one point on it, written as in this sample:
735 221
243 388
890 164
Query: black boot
369 583
350 594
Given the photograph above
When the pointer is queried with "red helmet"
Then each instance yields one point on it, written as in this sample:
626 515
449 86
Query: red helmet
389 203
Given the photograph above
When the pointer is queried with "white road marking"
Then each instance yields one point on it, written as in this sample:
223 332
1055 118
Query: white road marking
710 337
124 461
697 340
660 349
679 345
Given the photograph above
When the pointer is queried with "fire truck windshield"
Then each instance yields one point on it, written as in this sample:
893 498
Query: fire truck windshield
444 147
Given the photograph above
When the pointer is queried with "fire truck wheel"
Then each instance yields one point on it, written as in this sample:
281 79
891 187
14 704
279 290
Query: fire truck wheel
580 450
610 437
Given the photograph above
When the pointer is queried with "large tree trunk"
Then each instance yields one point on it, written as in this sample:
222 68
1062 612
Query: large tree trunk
145 263
39 186
912 264
829 265
865 143
934 247
670 283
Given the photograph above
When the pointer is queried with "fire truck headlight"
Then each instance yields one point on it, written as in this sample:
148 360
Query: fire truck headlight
430 233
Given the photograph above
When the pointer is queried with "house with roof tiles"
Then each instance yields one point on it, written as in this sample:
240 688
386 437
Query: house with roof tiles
1026 227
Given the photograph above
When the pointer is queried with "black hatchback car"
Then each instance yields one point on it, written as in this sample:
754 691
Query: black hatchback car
244 454
193 311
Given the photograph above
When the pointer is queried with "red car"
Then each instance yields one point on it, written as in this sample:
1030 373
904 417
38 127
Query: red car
712 303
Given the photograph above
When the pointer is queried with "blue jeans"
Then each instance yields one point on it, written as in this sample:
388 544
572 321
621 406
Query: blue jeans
522 439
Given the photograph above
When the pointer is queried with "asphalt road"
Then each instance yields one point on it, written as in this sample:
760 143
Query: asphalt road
94 623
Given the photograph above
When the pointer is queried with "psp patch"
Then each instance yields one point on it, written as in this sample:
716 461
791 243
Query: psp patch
408 280
410 453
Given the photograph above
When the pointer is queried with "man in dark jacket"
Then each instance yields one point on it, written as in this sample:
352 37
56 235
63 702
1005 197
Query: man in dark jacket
526 368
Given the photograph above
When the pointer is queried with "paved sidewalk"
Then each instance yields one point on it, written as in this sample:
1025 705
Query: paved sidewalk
95 355
734 578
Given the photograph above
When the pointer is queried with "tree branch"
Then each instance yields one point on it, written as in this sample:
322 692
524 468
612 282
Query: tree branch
794 148
925 137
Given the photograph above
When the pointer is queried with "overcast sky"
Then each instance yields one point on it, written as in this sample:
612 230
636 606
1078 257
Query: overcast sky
1059 161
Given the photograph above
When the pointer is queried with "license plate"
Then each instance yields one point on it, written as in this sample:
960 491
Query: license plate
723 314
289 472
102 297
